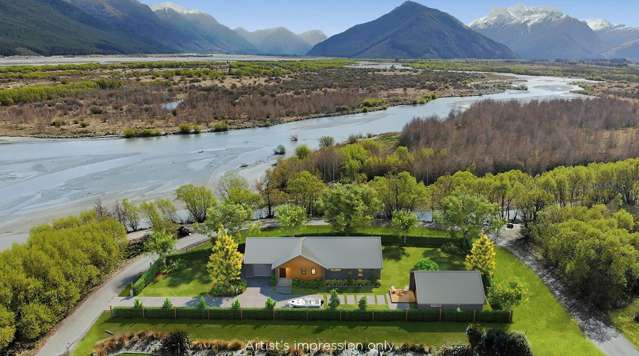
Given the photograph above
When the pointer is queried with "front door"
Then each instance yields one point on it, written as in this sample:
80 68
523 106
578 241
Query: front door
282 272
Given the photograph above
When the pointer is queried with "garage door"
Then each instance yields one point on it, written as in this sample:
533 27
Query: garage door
253 271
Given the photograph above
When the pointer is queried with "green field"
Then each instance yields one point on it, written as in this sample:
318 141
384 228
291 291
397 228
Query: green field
424 333
188 278
548 326
624 321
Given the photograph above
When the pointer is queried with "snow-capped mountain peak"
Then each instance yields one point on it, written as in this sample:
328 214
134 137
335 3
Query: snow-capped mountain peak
599 24
520 14
175 7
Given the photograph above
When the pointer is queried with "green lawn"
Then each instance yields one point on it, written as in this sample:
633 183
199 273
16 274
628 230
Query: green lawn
425 333
547 324
189 278
624 321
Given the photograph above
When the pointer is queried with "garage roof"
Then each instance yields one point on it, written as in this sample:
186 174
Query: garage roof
449 288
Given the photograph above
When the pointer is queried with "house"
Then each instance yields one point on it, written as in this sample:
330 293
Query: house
314 258
448 289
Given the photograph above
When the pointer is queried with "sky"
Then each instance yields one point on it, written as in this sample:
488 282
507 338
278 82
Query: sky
335 16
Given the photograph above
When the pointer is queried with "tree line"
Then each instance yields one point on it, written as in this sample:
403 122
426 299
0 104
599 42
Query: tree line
43 279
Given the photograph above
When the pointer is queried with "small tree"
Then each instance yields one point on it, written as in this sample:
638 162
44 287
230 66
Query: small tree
201 304
290 217
482 257
349 206
269 304
326 141
362 305
403 221
137 304
198 200
7 327
167 304
232 216
176 343
234 189
333 302
467 216
507 296
225 264
160 243
426 264
236 305
161 214
302 152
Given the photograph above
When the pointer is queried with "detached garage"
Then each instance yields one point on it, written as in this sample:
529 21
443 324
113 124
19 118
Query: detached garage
448 289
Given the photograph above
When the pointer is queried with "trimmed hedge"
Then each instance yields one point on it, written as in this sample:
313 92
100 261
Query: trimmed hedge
414 315
146 278
394 240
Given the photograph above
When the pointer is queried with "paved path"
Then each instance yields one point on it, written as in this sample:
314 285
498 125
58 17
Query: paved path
593 323
71 330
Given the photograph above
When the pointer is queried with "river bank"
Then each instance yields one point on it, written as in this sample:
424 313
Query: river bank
44 179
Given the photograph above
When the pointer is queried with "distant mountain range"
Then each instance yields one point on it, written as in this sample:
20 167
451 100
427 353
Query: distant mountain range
67 27
412 31
281 41
544 33
63 27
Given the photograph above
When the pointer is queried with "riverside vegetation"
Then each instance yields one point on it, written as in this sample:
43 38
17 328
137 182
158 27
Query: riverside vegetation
149 99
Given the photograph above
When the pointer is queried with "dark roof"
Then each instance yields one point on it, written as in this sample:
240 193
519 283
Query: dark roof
449 288
342 252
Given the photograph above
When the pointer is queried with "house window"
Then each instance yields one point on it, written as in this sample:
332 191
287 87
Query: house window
360 273
303 271
313 271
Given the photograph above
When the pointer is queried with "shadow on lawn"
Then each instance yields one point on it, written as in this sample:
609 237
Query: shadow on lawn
394 253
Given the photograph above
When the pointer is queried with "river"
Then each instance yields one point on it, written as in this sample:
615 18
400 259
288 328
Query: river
42 179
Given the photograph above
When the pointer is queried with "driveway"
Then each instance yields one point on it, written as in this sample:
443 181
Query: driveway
594 324
73 328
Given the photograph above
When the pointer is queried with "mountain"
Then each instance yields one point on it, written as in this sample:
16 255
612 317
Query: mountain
619 41
540 33
57 27
204 32
411 31
137 21
313 37
281 41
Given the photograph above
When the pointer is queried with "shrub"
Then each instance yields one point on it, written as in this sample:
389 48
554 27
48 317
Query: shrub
506 297
362 305
220 127
137 304
201 304
186 128
333 302
269 304
280 150
426 264
326 141
176 343
167 304
236 305
456 350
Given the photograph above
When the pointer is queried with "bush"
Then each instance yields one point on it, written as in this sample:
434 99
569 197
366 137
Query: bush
269 304
220 127
137 304
146 278
362 305
280 150
167 304
426 264
333 302
456 350
176 343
